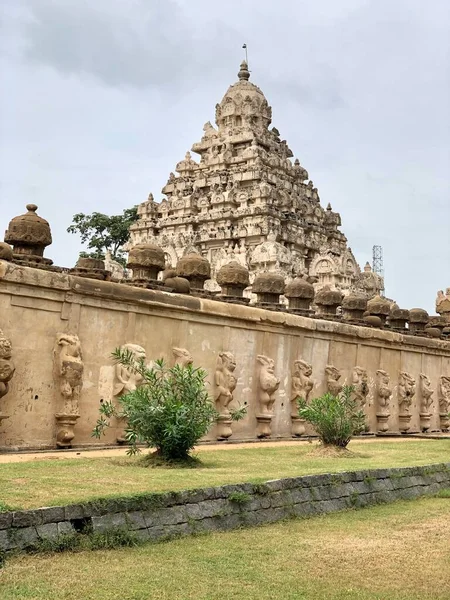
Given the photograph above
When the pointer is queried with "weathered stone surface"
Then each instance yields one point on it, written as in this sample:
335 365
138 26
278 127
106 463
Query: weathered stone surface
106 522
47 531
195 269
29 234
6 252
146 260
268 283
233 274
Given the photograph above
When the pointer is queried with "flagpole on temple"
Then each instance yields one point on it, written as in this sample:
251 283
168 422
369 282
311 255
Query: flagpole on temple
246 54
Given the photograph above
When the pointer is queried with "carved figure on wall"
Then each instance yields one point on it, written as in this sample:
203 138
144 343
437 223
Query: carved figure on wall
69 373
301 386
383 396
444 402
182 357
7 368
225 385
360 385
126 380
333 375
268 384
406 391
426 400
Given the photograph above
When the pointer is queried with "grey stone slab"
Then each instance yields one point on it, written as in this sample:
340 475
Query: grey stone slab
258 503
173 515
6 519
74 511
282 498
27 518
6 541
52 514
135 520
106 522
65 528
26 537
47 531
302 495
339 491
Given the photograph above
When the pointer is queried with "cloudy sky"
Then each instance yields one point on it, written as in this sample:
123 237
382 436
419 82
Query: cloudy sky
100 100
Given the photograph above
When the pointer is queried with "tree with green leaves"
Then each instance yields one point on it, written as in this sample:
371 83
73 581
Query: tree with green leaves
104 233
171 411
335 418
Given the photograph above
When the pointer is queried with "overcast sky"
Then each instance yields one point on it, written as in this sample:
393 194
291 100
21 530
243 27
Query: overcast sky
100 99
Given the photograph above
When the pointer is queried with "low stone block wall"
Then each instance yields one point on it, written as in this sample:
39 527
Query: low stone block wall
154 517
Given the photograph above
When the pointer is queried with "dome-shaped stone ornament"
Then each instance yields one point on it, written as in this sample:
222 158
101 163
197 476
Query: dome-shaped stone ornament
418 318
268 288
435 326
146 261
327 302
353 307
233 278
91 268
6 252
372 320
195 269
300 294
398 317
29 235
379 307
178 285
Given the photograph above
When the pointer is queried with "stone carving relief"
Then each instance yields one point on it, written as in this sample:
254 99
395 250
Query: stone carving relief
268 384
383 396
69 374
182 357
406 391
444 402
332 378
126 380
7 368
301 386
426 393
225 381
360 385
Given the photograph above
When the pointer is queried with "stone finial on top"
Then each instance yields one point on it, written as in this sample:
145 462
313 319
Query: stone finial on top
398 317
195 269
300 294
233 278
29 234
146 260
327 301
268 288
353 307
379 307
244 73
418 319
443 304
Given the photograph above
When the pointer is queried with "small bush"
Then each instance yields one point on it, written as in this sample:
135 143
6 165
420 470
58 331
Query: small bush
171 411
239 497
335 418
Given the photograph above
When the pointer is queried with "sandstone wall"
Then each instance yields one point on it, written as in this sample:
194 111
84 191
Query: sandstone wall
36 306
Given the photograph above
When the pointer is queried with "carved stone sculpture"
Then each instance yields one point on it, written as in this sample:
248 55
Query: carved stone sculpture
360 387
268 288
225 385
69 367
333 375
418 319
29 234
426 400
444 402
195 269
327 302
268 384
406 391
353 307
182 357
379 307
145 261
443 304
383 396
233 278
127 380
301 386
92 268
300 294
7 368
6 252
398 317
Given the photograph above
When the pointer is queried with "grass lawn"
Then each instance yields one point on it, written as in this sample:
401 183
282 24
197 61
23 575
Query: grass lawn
398 551
47 482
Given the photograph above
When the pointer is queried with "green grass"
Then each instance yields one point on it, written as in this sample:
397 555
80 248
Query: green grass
53 482
388 552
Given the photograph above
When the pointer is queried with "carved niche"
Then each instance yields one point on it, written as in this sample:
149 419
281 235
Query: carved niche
444 402
332 376
268 384
68 363
301 386
405 391
426 400
182 357
383 395
7 368
126 380
225 385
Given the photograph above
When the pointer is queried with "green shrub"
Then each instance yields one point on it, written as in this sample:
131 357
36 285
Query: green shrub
171 411
335 418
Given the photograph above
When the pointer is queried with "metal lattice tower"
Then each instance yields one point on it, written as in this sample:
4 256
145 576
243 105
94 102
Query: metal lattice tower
377 261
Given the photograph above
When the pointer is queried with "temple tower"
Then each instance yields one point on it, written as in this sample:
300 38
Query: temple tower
245 200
